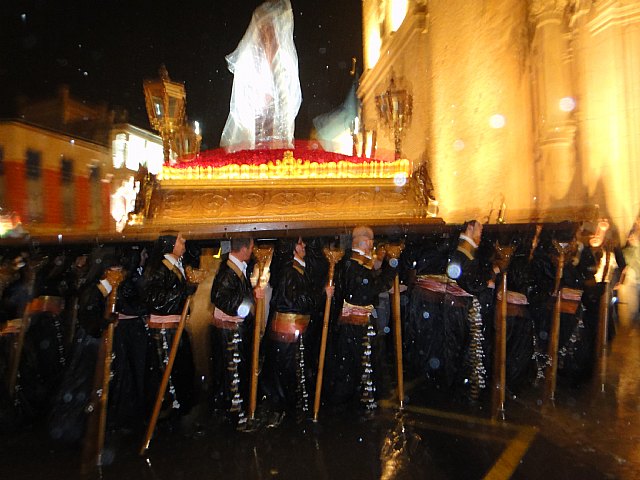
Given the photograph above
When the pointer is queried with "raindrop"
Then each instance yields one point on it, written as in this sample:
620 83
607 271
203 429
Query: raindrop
458 145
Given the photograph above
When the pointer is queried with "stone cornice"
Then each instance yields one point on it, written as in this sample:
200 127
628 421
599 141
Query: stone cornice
415 23
612 14
540 7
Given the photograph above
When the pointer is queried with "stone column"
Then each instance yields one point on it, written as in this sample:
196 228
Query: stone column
552 94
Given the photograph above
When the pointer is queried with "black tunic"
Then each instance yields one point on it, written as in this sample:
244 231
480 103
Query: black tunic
232 293
358 284
287 379
130 341
164 290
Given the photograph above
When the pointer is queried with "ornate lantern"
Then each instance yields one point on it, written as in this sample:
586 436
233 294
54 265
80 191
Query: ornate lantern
166 107
394 109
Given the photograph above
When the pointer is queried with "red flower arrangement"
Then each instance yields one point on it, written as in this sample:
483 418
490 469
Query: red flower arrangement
305 150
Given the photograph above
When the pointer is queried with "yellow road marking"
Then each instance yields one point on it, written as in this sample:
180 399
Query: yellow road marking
511 456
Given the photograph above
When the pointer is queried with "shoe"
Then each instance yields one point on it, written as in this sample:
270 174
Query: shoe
248 426
275 419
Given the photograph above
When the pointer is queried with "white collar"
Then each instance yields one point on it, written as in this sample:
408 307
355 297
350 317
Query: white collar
301 262
241 265
357 250
468 240
107 286
176 262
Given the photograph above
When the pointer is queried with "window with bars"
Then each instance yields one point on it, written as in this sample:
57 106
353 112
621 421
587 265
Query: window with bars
66 170
34 164
94 173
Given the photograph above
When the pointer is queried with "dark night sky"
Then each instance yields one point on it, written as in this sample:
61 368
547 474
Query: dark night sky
104 49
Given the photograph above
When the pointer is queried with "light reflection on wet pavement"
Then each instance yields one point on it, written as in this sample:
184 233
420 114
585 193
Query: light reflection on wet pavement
589 433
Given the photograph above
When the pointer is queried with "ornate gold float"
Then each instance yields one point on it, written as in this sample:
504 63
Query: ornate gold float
271 191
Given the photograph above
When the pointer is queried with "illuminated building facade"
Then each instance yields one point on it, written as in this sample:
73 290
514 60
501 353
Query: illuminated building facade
62 165
529 105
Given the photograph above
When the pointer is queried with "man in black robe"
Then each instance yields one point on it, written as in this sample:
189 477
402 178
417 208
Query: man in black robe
475 278
232 296
164 290
295 299
358 286
126 397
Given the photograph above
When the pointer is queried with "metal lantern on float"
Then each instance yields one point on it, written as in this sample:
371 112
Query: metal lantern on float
185 142
394 109
166 107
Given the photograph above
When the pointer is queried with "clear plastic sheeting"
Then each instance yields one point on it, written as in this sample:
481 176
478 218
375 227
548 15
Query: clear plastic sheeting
335 129
266 93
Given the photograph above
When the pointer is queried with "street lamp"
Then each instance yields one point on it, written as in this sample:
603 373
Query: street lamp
394 109
166 107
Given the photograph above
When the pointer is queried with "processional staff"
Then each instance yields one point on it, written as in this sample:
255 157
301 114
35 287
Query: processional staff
601 345
333 256
554 336
195 277
503 255
263 255
394 251
33 267
97 408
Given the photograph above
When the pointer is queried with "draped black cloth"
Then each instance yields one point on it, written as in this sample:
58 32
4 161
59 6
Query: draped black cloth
576 339
520 326
436 336
68 416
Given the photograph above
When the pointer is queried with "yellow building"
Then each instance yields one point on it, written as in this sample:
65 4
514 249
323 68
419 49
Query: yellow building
532 106
62 164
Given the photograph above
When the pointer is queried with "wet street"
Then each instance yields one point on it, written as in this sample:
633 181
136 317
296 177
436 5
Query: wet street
590 432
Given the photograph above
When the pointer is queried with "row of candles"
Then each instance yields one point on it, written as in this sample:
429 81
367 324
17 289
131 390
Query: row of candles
289 168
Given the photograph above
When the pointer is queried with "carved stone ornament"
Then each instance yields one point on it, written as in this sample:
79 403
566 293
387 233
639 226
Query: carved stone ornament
539 7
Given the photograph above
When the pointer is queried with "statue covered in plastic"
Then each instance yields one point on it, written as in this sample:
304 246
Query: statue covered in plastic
266 93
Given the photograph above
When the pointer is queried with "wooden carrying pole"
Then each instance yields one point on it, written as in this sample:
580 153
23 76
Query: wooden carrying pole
502 261
554 336
32 268
16 356
603 333
263 255
603 326
500 354
194 276
333 256
97 420
393 252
